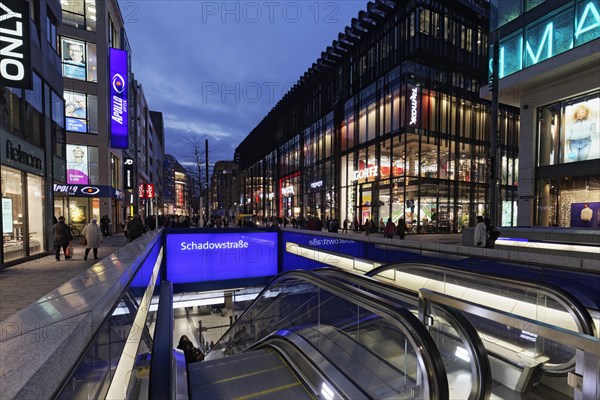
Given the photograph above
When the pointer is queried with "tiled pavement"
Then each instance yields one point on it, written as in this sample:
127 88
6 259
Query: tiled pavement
24 283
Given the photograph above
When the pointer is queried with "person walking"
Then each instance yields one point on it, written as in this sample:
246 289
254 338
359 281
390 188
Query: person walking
135 228
390 229
62 237
401 228
356 225
104 226
367 226
480 236
93 236
345 225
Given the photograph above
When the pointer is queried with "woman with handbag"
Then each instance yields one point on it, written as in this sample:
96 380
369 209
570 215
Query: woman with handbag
91 238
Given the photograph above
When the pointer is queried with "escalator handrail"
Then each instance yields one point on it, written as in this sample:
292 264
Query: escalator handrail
574 307
482 386
428 355
162 362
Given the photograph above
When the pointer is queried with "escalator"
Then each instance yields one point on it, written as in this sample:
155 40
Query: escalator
310 336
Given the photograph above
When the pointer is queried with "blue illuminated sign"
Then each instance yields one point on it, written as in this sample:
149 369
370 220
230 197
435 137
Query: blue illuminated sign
76 125
202 257
119 121
548 37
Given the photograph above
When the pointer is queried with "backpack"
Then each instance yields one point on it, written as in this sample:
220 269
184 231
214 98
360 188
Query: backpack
494 233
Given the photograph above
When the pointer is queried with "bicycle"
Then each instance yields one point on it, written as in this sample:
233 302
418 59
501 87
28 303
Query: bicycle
75 232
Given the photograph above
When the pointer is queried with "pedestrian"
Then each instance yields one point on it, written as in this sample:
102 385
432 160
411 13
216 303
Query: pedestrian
345 225
104 226
401 228
492 233
135 228
356 225
480 236
192 353
62 238
390 229
93 236
367 226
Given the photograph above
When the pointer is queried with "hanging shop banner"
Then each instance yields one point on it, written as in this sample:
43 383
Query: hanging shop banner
15 47
150 191
88 191
119 121
142 191
128 173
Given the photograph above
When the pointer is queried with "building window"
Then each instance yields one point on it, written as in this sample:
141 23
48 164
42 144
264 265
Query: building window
51 30
79 59
79 14
81 112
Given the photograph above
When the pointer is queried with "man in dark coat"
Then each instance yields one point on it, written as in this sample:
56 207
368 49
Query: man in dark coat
62 237
135 228
105 226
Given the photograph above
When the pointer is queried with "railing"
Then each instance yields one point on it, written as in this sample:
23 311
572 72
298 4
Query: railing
585 380
69 343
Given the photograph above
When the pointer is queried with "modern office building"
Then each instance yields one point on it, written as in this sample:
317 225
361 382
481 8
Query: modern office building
388 123
224 186
32 131
549 66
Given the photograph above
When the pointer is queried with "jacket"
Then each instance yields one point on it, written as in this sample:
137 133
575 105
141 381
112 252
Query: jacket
62 234
93 235
480 236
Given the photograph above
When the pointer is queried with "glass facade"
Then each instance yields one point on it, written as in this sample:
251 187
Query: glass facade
25 117
412 142
568 142
575 24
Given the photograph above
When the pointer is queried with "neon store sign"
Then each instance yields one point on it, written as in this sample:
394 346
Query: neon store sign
413 106
548 37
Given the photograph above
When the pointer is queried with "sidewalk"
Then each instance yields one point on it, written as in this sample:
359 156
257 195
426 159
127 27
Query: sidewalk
22 284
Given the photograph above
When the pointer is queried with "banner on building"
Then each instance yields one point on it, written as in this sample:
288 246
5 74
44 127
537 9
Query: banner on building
128 173
119 121
15 47
150 191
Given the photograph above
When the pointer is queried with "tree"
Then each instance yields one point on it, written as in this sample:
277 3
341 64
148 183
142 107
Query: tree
195 160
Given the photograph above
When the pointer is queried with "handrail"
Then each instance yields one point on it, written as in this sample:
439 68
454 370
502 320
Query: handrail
482 386
428 355
580 314
161 365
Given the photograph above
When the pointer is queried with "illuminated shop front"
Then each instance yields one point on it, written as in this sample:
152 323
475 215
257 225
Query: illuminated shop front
569 136
548 67
377 132
31 152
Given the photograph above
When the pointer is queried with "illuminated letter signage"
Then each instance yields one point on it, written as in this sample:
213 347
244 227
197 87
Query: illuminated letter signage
315 185
413 106
370 172
119 120
15 58
128 170
142 191
287 191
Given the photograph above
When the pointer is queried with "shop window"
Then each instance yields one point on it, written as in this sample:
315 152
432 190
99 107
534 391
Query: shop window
13 219
36 213
52 30
581 138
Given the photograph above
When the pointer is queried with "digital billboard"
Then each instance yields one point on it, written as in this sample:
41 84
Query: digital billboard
119 120
201 257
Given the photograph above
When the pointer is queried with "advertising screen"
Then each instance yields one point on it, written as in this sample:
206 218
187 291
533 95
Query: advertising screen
7 220
73 58
582 131
77 165
200 257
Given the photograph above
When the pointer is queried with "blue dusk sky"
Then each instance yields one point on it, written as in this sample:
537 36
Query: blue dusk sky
216 68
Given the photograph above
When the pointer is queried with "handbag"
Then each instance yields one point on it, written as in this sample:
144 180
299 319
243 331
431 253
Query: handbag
83 241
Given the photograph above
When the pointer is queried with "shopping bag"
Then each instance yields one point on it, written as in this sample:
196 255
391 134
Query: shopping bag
83 241
69 250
